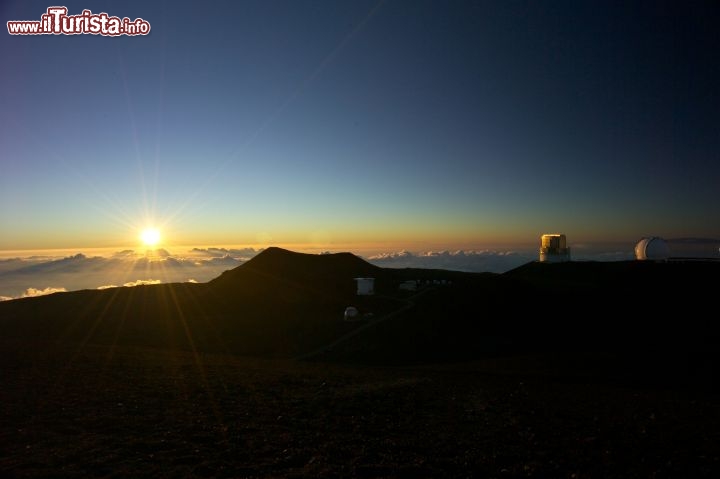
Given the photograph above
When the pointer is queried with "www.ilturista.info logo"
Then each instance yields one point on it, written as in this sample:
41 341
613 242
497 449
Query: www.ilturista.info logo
57 22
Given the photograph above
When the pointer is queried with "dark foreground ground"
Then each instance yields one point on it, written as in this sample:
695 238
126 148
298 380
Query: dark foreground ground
127 412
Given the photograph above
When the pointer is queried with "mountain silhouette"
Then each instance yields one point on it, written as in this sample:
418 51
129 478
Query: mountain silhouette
283 303
302 266
278 303
295 276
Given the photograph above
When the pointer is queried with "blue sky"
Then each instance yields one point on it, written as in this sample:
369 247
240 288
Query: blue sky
357 122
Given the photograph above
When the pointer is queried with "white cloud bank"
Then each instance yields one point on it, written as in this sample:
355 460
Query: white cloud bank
32 292
18 276
141 282
460 260
130 268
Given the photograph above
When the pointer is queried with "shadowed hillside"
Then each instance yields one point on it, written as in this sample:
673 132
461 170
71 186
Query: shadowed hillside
547 371
651 281
279 303
653 318
285 303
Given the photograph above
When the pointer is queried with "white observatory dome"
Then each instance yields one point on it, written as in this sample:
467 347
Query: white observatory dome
652 248
351 313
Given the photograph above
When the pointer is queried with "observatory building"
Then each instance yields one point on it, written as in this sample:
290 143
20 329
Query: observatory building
652 248
365 286
553 249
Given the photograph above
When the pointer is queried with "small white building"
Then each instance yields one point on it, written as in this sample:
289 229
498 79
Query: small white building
365 286
351 314
554 249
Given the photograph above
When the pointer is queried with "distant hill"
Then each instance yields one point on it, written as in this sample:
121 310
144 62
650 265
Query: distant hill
653 279
278 303
302 266
280 273
636 307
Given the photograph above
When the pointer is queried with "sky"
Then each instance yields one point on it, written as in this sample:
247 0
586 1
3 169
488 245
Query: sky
365 124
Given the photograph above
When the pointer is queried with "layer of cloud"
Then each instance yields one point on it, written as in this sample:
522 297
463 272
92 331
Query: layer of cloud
32 292
126 267
237 253
141 282
459 260
20 276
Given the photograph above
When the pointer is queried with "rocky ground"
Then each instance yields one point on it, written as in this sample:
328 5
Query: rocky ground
88 411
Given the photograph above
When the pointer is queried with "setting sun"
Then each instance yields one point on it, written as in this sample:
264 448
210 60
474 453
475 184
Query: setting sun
150 236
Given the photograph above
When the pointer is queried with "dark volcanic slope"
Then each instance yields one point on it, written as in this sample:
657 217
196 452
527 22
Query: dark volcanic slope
648 279
640 301
554 409
655 318
141 413
285 303
278 303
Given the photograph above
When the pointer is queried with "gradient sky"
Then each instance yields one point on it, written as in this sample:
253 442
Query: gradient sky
338 122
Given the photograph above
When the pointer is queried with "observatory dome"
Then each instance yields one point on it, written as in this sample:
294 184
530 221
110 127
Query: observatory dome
652 248
351 313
